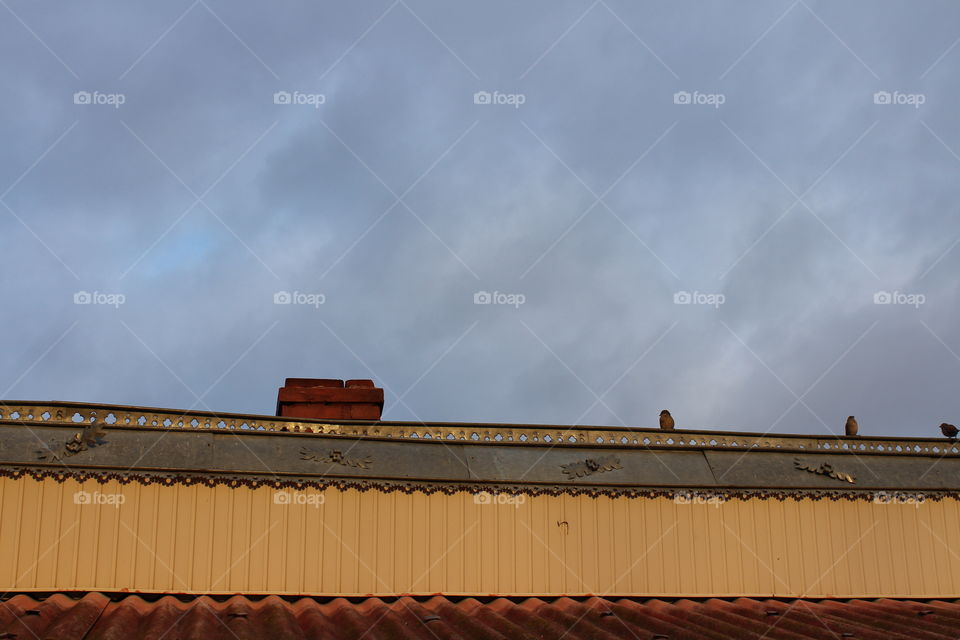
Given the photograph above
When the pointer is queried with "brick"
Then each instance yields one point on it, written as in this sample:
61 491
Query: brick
314 382
359 384
327 394
365 411
330 399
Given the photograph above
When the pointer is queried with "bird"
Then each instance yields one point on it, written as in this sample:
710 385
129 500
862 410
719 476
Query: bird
666 420
851 426
949 430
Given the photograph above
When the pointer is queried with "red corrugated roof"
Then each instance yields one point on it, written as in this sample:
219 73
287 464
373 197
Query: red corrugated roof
95 617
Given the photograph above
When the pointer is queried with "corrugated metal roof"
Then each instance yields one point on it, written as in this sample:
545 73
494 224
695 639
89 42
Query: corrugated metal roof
95 617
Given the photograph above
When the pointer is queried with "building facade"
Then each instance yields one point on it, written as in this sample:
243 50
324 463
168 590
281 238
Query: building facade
325 501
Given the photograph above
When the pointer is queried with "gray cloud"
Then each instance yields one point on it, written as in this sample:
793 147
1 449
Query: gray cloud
399 198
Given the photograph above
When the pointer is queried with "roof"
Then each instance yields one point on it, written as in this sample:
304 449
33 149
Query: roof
104 442
94 616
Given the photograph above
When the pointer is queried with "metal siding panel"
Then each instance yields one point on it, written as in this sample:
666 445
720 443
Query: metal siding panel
185 510
26 548
439 545
657 546
952 524
723 574
419 543
9 528
932 520
329 524
923 551
951 565
48 535
699 549
238 540
165 547
829 559
218 546
619 546
66 534
805 566
239 569
125 540
886 570
741 549
366 559
864 572
899 546
572 545
780 570
524 548
85 542
686 560
142 564
384 551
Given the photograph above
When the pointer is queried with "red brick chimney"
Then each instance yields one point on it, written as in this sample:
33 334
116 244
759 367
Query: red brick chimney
330 399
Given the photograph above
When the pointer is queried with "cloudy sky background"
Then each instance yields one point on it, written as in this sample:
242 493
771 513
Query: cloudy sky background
599 199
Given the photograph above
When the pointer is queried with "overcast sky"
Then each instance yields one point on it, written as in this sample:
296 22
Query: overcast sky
172 173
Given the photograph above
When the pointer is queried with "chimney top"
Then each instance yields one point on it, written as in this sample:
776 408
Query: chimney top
330 399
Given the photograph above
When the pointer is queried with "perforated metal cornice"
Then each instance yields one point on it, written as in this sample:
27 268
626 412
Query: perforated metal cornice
68 413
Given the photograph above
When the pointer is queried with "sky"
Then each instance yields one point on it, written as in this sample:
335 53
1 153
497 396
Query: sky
538 212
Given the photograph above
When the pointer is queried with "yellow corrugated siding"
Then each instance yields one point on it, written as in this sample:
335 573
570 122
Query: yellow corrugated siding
202 539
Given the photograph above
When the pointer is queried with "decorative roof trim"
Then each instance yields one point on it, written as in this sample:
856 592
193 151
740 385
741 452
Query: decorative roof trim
28 413
682 495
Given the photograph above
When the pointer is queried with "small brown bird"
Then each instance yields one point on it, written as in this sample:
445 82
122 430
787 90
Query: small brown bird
949 430
666 420
851 426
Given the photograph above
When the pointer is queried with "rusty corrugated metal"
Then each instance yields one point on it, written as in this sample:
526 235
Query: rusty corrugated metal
220 540
94 617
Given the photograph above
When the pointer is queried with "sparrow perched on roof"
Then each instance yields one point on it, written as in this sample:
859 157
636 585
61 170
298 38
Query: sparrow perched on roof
949 430
666 420
851 426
